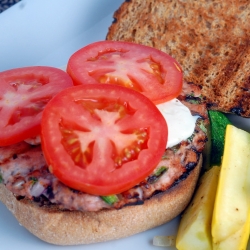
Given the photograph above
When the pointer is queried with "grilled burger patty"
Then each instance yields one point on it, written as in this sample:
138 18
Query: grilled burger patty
25 173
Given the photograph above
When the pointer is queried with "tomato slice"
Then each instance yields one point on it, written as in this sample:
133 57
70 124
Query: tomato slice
102 139
147 70
23 94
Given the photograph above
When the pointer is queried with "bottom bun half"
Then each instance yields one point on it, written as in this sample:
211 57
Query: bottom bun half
74 227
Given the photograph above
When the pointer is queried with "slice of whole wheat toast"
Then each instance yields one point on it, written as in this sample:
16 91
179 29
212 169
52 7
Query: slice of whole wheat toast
210 39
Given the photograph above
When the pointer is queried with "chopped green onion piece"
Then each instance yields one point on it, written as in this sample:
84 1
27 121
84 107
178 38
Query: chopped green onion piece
160 170
203 127
195 101
33 180
110 199
191 137
1 178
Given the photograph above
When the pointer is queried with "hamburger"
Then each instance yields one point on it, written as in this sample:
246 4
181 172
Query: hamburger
54 210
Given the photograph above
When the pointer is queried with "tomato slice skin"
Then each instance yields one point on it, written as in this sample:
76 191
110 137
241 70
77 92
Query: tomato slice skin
106 123
23 94
147 70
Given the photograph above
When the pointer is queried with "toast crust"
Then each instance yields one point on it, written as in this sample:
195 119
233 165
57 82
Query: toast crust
74 227
209 39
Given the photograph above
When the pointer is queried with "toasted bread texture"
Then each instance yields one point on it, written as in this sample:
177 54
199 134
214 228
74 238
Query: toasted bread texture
210 39
60 227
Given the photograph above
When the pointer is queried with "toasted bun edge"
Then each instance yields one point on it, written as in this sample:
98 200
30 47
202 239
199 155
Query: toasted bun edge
74 227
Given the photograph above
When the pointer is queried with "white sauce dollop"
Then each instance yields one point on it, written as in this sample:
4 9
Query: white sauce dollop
180 121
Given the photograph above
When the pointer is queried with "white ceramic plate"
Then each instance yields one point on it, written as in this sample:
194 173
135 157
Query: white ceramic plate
45 32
